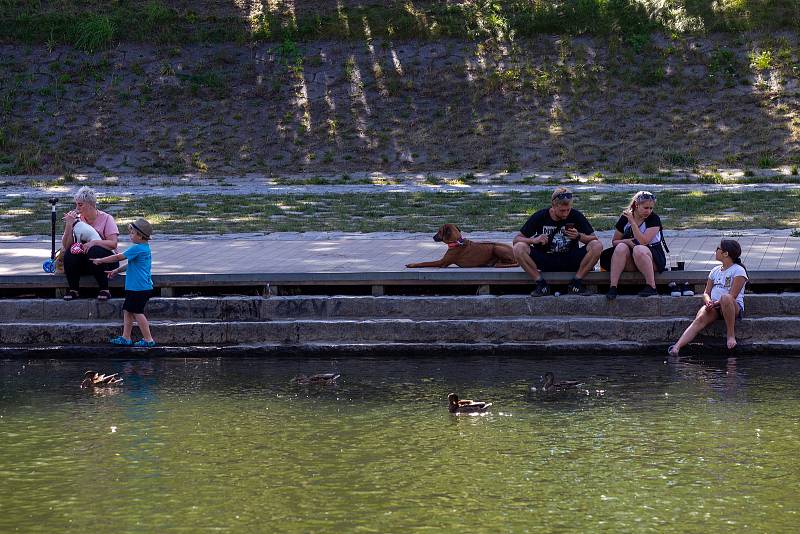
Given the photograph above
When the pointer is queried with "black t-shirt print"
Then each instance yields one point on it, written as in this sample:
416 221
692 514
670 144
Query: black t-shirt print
541 223
625 227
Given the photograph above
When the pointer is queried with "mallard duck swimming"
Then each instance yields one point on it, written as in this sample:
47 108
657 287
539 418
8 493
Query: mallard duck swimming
315 380
465 406
550 384
93 379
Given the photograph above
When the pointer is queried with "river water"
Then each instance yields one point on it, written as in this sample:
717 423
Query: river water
213 444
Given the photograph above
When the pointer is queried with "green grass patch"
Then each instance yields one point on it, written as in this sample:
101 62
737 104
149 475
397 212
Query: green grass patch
723 65
417 212
213 82
93 33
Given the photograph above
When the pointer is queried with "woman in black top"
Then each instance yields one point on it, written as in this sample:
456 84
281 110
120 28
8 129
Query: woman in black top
637 244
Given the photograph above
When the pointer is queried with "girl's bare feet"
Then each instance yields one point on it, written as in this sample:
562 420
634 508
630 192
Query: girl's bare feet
731 342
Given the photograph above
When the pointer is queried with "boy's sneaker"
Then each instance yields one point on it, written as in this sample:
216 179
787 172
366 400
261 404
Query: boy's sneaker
686 290
648 292
576 287
674 291
612 293
119 340
541 289
143 343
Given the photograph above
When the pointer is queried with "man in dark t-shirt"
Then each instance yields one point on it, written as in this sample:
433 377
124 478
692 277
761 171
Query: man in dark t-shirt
550 241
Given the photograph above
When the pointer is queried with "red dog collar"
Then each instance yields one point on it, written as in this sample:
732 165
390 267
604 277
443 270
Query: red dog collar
459 243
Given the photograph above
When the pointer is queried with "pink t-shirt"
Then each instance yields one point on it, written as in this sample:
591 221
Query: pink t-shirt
105 225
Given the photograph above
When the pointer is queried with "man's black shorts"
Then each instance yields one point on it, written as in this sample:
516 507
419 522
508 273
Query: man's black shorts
565 261
135 301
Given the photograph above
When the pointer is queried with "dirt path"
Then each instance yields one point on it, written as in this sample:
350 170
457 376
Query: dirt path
65 192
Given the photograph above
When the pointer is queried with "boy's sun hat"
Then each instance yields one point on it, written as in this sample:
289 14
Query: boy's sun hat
143 227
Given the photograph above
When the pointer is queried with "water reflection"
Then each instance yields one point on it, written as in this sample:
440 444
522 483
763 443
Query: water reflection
232 444
721 375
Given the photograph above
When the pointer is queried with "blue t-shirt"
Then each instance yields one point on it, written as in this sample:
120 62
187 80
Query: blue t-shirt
137 277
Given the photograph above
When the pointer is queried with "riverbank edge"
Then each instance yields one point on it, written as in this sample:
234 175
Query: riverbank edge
401 350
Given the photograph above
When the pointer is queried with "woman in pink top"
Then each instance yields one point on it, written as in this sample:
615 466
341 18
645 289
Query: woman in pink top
79 262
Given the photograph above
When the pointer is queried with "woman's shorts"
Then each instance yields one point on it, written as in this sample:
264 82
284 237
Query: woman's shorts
135 301
564 261
659 258
657 251
739 311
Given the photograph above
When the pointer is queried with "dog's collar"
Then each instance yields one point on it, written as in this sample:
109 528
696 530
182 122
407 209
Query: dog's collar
459 243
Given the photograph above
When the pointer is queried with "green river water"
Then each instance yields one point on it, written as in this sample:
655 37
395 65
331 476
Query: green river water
212 444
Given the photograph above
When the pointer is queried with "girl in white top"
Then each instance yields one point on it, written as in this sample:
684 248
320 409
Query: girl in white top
723 296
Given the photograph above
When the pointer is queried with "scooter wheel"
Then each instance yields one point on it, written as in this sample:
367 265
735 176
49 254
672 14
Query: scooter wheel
49 266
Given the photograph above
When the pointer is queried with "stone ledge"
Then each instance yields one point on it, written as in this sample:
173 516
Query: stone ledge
450 276
354 307
497 331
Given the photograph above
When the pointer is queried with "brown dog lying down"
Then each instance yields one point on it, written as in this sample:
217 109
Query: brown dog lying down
466 253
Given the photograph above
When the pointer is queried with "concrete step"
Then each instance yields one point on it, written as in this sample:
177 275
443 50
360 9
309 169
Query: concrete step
497 331
343 307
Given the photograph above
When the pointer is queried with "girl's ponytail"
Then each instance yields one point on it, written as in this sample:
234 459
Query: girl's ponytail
734 250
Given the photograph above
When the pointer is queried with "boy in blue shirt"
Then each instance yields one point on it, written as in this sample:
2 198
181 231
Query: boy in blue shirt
138 283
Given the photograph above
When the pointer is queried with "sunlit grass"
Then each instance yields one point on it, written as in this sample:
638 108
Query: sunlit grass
415 212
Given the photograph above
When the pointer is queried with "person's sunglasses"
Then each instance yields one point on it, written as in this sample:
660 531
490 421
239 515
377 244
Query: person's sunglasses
645 196
563 196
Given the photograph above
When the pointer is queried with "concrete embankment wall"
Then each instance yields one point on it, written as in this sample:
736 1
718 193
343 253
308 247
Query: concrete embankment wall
581 324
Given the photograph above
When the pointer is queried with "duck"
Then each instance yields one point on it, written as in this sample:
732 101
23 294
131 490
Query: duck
551 385
465 406
316 380
93 379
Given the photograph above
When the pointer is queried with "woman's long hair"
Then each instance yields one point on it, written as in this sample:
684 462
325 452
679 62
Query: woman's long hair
641 196
734 250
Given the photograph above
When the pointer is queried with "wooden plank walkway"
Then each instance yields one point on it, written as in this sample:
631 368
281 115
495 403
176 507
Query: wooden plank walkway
365 257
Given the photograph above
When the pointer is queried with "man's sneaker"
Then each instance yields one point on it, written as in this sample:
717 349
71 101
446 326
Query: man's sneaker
576 287
541 289
686 290
674 291
612 293
648 292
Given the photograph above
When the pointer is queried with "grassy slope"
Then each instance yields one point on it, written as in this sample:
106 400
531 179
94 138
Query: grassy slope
93 24
576 104
544 104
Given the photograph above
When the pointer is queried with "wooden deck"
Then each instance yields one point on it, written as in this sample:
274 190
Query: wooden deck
376 262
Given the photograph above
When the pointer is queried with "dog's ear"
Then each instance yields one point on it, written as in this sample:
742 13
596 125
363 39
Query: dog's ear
448 233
